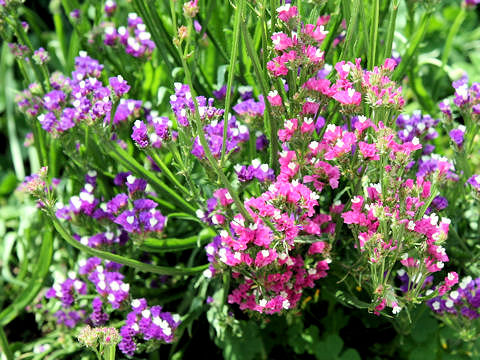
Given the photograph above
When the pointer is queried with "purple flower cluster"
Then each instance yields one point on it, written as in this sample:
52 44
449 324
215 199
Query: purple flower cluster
98 317
143 218
133 212
107 280
250 110
465 97
66 290
108 284
457 135
84 203
434 162
81 98
462 302
474 181
183 106
155 132
69 318
416 125
256 170
147 324
236 134
134 38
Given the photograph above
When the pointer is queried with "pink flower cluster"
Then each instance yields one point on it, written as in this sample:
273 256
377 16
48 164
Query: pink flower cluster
296 49
269 249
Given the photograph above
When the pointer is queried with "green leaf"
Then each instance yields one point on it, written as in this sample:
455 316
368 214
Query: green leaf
350 354
173 244
8 183
248 345
424 327
330 348
34 285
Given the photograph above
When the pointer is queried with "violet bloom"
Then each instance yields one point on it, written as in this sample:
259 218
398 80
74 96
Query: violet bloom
75 14
220 93
119 85
128 220
475 182
110 7
98 317
445 108
139 134
439 203
135 185
250 108
262 142
457 135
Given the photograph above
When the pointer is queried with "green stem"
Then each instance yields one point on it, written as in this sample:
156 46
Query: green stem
392 19
4 345
231 71
167 172
35 284
117 153
351 31
201 134
372 58
270 124
163 270
451 35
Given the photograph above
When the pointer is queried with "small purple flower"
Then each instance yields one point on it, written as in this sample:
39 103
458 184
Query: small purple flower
445 108
75 14
457 135
119 85
439 203
135 184
475 182
98 317
139 134
128 220
110 7
117 203
262 142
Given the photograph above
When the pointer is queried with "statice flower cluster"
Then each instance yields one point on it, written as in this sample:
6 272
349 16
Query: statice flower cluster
256 170
102 279
264 246
134 38
156 131
147 323
69 291
282 247
183 108
127 214
466 98
460 307
81 98
416 125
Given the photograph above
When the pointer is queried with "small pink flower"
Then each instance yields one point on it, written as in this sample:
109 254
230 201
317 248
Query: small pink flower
348 97
317 247
287 12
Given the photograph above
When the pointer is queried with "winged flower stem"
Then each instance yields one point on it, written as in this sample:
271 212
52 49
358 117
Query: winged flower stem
163 270
201 133
231 72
